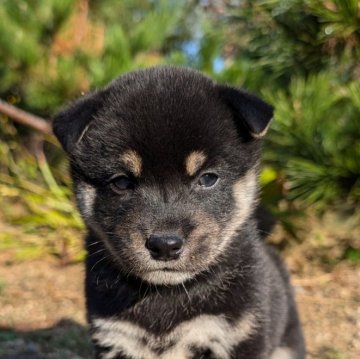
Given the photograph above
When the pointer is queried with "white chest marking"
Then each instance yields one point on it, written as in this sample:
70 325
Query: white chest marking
207 331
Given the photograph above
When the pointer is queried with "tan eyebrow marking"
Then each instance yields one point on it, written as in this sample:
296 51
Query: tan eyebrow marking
132 159
194 161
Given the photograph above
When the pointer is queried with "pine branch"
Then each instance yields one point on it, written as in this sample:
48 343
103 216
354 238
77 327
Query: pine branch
25 118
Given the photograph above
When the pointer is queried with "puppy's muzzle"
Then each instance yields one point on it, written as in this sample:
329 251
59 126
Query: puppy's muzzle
164 247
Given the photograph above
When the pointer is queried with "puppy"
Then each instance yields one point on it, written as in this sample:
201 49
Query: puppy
164 163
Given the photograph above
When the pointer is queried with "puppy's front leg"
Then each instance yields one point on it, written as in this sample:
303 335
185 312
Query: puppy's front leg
101 352
105 356
105 353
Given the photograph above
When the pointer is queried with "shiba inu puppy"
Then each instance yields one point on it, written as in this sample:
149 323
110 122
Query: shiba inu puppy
164 163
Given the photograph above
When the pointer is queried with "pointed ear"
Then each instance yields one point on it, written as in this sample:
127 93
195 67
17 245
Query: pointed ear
71 123
254 113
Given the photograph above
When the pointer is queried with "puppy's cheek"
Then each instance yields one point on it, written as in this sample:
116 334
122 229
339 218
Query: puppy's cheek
244 194
203 241
203 253
137 248
85 197
211 238
130 244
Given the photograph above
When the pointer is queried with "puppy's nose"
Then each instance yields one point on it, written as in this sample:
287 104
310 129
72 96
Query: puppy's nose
164 247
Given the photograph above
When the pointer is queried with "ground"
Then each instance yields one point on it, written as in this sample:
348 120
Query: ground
42 309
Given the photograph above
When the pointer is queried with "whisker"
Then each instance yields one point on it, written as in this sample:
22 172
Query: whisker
93 243
100 260
187 293
99 251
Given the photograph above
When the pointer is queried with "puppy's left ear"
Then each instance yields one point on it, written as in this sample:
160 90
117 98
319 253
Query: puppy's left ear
72 122
253 113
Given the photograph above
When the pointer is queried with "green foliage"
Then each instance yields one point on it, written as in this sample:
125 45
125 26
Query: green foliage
352 254
42 216
70 48
129 43
27 29
315 140
283 38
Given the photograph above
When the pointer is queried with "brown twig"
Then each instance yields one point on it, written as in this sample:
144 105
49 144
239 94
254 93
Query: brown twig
25 118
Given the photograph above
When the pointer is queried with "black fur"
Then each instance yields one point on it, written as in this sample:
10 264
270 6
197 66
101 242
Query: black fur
164 114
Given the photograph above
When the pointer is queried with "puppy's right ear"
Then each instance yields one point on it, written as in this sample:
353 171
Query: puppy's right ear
249 110
70 124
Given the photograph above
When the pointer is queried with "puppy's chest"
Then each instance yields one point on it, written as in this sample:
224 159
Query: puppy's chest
205 336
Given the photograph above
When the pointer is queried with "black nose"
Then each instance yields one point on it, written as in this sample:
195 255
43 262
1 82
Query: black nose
164 247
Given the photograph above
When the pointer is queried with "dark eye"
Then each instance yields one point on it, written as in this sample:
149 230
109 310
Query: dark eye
208 180
121 183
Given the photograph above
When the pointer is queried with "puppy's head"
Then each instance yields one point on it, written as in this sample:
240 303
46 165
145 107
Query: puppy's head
164 164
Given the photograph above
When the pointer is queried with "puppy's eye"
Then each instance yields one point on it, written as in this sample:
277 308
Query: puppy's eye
208 180
121 183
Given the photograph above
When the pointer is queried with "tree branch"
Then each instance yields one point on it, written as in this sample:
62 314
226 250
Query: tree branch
25 118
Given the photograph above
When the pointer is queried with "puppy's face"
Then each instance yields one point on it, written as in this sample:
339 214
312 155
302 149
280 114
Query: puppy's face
164 164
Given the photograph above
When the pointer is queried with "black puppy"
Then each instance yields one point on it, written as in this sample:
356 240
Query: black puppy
165 163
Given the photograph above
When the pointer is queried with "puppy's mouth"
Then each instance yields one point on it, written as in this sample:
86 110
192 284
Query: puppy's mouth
166 269
167 276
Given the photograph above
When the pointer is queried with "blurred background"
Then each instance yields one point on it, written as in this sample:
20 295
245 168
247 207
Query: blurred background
302 56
